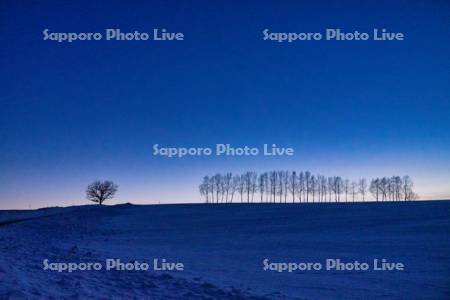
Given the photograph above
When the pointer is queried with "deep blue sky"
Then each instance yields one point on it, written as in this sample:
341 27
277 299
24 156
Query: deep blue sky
73 113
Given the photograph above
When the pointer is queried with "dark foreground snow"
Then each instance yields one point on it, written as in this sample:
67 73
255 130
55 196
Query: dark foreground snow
223 247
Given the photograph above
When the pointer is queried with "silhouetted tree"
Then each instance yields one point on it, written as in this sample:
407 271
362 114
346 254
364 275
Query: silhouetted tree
293 185
262 186
307 184
204 188
285 179
273 185
353 190
227 182
241 187
280 185
362 187
338 183
375 188
234 186
346 188
383 187
313 187
323 188
217 186
301 186
100 191
407 185
397 182
329 183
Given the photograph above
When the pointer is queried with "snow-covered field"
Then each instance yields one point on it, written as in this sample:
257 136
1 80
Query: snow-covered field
223 248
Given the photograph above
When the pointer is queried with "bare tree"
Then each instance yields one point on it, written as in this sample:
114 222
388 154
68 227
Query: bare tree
323 188
330 187
293 185
301 185
234 186
266 186
397 182
383 187
307 184
250 185
100 191
346 189
247 185
313 184
407 185
261 187
285 179
217 185
375 188
204 188
319 188
338 183
241 187
227 182
353 190
221 187
280 186
273 185
253 183
362 187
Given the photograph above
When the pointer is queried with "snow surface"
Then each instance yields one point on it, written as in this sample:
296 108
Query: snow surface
222 248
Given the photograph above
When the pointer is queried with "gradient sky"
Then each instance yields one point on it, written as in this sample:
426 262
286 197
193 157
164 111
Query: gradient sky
73 113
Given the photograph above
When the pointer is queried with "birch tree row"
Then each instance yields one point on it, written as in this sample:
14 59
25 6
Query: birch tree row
302 187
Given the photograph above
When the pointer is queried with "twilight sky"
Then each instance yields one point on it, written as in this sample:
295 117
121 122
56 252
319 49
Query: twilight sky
75 112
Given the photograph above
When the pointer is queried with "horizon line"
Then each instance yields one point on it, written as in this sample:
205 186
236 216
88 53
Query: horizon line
223 203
